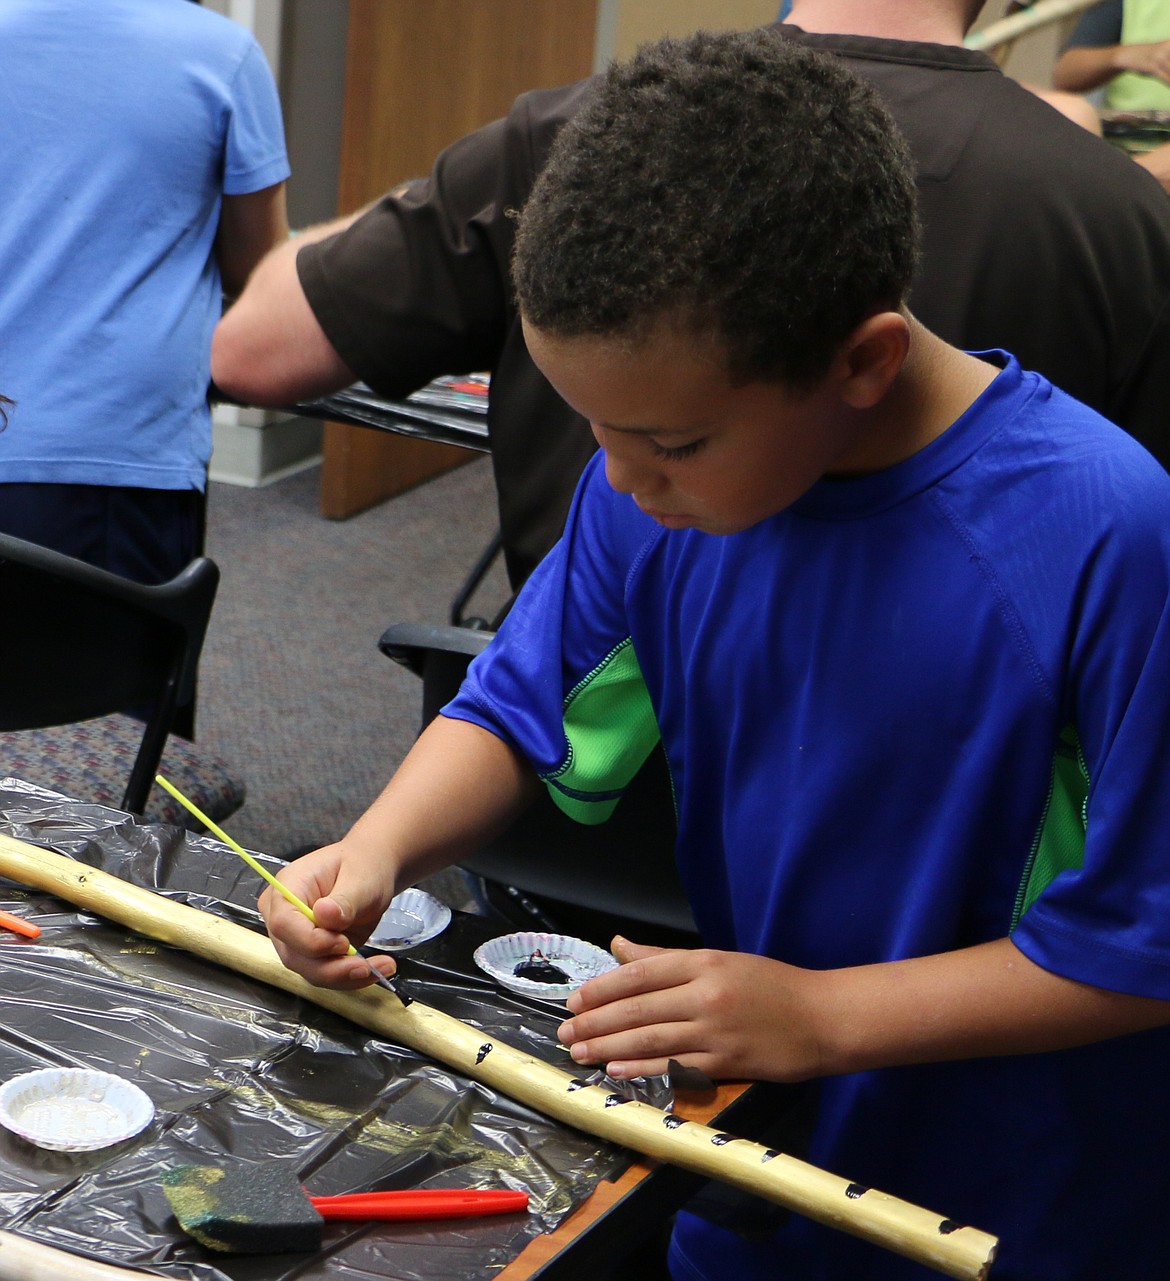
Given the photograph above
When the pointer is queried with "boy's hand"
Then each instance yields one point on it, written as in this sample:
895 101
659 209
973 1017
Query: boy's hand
731 1015
348 896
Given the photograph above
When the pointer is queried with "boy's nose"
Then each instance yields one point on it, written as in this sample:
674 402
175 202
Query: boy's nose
628 476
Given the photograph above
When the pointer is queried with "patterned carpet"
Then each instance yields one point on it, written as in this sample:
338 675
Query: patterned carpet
294 693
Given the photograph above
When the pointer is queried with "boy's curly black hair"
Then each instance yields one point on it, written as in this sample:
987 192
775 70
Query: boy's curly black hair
740 184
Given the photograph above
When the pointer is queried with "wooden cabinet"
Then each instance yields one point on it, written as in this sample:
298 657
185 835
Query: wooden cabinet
419 74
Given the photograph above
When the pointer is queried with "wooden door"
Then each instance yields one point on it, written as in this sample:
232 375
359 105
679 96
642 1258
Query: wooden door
420 74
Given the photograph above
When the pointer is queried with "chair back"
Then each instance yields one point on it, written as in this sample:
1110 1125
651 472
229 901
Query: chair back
80 642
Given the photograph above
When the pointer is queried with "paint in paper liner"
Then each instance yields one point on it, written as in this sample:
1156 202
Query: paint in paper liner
432 915
579 960
73 1109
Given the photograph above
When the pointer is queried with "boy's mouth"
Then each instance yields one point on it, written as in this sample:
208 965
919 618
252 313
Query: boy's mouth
671 520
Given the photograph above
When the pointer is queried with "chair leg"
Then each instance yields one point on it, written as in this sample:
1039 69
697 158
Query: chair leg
474 578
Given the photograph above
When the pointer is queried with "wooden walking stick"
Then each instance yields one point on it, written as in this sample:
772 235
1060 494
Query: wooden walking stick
25 1260
950 1248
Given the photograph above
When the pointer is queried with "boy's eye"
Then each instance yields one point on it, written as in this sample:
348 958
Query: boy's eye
675 452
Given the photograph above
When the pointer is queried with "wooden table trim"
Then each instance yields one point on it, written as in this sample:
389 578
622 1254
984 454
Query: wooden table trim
535 1259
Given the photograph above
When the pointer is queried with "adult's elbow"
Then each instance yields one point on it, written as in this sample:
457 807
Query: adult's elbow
241 369
263 362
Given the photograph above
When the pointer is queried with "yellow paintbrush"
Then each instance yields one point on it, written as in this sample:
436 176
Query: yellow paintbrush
279 886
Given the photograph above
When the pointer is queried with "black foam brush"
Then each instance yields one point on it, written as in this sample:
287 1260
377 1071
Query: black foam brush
243 1208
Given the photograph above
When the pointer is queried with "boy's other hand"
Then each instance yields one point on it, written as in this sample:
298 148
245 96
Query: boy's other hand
347 898
731 1015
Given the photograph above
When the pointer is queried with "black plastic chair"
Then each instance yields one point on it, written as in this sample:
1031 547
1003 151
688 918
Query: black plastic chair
79 643
547 871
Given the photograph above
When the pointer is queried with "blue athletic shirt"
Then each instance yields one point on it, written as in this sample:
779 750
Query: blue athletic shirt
915 711
126 122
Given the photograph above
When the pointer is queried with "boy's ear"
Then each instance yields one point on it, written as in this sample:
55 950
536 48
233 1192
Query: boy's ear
872 357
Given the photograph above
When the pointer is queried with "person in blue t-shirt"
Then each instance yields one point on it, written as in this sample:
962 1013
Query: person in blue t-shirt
143 156
900 615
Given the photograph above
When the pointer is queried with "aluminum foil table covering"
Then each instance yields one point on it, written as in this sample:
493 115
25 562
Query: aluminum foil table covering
242 1070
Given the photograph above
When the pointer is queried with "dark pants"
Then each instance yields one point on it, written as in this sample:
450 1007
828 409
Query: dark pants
148 535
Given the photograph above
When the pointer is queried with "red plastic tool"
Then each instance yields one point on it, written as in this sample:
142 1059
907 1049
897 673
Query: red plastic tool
456 1203
18 925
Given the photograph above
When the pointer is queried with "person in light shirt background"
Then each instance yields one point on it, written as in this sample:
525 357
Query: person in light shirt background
145 141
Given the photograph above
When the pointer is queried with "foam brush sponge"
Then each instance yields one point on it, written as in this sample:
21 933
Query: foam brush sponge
242 1208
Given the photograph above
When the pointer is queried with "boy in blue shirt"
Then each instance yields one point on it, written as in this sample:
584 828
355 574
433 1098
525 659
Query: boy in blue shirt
901 617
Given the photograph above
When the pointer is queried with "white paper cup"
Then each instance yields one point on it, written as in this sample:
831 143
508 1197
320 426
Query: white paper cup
73 1109
578 960
412 905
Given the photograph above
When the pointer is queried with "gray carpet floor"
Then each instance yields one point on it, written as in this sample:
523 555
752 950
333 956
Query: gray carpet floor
293 691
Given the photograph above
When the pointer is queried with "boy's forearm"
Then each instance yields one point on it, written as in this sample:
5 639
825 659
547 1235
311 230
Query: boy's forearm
459 786
745 1017
980 1001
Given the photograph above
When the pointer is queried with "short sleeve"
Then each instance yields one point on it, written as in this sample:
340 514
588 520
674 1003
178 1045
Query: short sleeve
1103 920
1097 27
417 286
420 284
255 150
561 682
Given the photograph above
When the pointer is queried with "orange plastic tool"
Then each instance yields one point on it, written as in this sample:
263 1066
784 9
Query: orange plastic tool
19 926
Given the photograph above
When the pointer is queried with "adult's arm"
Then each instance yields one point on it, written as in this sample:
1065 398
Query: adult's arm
1082 64
250 225
420 266
269 348
416 287
1081 69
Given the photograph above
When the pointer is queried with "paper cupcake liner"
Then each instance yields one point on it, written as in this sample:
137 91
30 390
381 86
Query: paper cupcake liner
577 959
73 1109
433 916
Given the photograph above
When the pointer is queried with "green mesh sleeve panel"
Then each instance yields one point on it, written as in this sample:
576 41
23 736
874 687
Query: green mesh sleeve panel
611 728
1060 841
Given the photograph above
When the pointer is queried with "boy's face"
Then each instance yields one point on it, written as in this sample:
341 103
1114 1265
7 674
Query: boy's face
693 449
